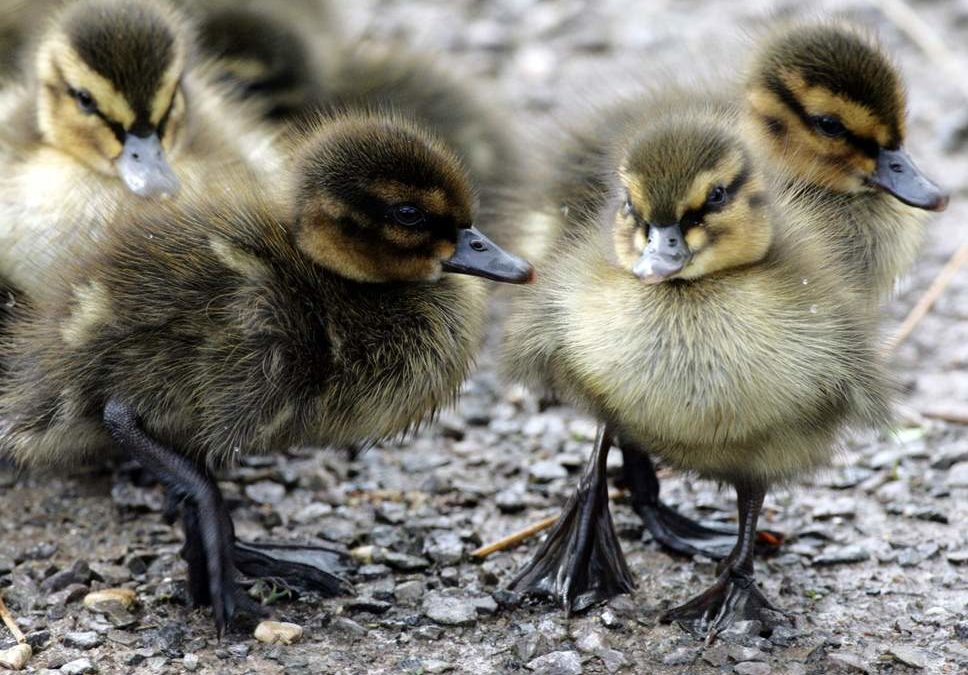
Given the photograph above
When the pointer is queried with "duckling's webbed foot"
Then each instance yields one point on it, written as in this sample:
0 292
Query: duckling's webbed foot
672 530
300 567
209 535
581 562
734 596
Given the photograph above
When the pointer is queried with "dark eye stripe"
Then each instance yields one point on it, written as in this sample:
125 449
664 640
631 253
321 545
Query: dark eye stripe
867 146
163 122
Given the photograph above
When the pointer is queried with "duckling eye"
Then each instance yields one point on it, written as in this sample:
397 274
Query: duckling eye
84 100
717 197
407 215
829 125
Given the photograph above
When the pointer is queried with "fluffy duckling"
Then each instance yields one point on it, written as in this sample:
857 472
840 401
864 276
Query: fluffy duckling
273 55
111 110
679 317
829 107
220 326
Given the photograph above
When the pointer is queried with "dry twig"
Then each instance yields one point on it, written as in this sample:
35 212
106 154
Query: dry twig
515 538
11 624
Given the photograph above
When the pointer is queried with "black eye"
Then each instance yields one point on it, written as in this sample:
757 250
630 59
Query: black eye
829 125
717 197
84 100
407 215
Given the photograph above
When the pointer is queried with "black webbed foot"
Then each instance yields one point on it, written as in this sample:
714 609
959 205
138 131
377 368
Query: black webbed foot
213 555
672 530
581 562
733 597
294 566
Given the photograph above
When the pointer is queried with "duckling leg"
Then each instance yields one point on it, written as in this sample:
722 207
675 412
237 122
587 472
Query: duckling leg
209 535
581 562
672 530
734 595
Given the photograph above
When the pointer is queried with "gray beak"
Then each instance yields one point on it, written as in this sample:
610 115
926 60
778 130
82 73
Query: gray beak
143 167
665 255
480 257
898 175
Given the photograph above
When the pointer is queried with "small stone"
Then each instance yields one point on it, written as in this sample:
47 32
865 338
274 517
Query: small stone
449 611
680 657
78 667
79 573
742 630
404 561
363 554
364 604
190 662
240 650
716 656
428 633
610 620
312 512
612 659
546 471
108 599
591 642
510 500
444 547
741 653
557 663
345 625
959 557
958 475
370 572
752 668
87 639
909 656
409 592
843 555
265 492
6 565
64 597
16 657
843 507
278 632
436 666
485 605
846 662
114 575
948 457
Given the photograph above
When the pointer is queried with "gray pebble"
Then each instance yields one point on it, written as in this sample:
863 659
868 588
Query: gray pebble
78 667
365 604
87 639
958 475
546 471
910 656
409 592
265 492
842 555
444 547
752 668
449 610
344 625
557 663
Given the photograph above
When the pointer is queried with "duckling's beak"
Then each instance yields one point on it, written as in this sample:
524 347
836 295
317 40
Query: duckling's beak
479 256
144 169
897 174
665 255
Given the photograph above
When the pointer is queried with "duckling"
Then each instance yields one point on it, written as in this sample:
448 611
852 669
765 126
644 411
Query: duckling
274 55
113 110
228 324
678 317
827 105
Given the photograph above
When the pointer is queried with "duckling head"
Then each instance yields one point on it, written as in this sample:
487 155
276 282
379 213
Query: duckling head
378 200
694 203
110 89
829 104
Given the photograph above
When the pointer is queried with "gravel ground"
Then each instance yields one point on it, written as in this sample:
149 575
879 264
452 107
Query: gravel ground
875 578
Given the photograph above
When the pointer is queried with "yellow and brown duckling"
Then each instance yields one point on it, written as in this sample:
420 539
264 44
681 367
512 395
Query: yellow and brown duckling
111 111
679 317
222 325
274 55
829 107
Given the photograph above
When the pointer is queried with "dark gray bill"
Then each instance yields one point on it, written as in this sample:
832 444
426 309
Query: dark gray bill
144 169
897 174
665 255
479 256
